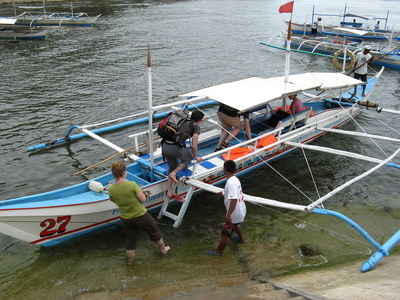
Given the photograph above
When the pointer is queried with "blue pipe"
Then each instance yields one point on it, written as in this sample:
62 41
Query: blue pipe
67 138
352 224
392 164
382 250
378 255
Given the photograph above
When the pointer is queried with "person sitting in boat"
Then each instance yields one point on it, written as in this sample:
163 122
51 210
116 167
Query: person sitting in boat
173 151
363 59
314 28
129 198
295 107
377 25
229 118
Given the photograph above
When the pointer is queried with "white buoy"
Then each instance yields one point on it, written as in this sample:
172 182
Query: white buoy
96 186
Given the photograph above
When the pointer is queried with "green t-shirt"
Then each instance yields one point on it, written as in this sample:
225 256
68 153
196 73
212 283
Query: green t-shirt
124 195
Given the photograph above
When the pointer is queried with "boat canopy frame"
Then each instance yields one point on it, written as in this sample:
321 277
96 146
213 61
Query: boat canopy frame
260 91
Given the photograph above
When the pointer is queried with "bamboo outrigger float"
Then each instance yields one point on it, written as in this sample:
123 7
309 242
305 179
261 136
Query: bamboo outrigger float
55 217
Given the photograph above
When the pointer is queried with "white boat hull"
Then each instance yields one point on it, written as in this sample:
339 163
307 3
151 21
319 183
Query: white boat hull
21 34
56 20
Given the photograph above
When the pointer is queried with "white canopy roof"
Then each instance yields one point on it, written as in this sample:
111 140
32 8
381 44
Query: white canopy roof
352 30
252 92
7 21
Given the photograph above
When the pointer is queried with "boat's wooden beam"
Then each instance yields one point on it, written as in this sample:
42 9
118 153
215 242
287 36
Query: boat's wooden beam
388 111
361 134
248 198
102 140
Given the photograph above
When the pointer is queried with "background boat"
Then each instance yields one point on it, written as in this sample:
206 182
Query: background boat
342 21
22 33
39 16
327 46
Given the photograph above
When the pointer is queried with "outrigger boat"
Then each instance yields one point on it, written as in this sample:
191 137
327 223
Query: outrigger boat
57 216
22 33
34 17
10 31
332 29
338 46
334 49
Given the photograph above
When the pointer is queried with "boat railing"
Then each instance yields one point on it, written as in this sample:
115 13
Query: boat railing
246 143
308 127
269 41
141 140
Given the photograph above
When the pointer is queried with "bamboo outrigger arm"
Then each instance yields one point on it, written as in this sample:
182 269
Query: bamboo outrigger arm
385 162
361 134
248 198
134 157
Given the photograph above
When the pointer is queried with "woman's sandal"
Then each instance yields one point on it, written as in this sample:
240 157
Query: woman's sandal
225 145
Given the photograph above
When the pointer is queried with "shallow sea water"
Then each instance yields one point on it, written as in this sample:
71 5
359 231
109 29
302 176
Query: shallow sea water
88 74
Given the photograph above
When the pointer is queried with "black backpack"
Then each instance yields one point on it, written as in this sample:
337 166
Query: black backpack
168 128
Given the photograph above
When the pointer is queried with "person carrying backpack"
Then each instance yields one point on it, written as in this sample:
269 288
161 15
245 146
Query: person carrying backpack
177 155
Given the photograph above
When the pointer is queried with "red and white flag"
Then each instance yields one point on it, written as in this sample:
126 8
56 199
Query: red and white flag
287 8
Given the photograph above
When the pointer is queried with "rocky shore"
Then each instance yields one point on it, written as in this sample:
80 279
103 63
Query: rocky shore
340 282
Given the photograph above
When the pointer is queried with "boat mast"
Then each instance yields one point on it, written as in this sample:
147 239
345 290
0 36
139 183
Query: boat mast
287 59
72 11
44 8
344 14
150 96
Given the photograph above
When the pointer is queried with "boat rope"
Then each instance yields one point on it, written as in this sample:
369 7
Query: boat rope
390 127
270 166
276 171
365 132
107 108
358 242
114 120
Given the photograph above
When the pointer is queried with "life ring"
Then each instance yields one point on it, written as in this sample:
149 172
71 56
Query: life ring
338 65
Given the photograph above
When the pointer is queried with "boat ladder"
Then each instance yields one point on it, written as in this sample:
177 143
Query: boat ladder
177 218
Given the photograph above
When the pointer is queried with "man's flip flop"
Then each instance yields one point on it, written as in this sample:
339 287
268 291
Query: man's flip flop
238 240
177 198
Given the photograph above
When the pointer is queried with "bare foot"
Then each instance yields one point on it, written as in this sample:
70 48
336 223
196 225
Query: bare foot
173 177
164 250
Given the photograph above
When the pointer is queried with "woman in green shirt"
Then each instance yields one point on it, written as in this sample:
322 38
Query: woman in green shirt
129 198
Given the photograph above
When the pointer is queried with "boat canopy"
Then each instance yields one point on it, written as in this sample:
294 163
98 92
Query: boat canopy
358 16
250 93
31 7
7 21
351 30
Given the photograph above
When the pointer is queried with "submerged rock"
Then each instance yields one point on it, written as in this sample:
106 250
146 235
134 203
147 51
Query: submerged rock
309 251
